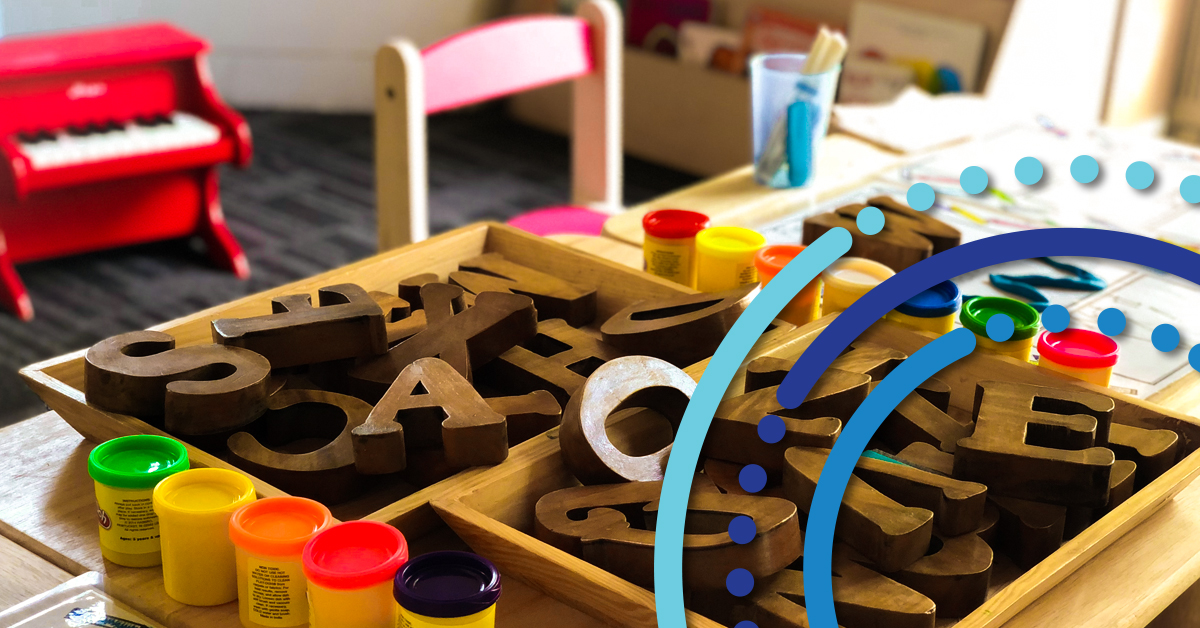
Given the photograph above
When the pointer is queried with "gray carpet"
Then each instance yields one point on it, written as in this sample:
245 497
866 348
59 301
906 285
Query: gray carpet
305 205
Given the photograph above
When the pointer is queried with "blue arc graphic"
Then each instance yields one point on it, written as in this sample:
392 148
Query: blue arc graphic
845 328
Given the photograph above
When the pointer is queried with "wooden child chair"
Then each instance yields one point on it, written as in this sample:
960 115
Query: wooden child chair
490 61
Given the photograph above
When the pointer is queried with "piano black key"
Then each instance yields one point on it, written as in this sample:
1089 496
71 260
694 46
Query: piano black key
45 136
113 125
78 130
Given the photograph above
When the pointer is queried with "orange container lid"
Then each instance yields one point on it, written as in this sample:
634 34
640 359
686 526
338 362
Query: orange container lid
771 259
278 526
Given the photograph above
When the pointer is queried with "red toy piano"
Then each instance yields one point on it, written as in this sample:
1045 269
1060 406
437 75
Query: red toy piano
110 138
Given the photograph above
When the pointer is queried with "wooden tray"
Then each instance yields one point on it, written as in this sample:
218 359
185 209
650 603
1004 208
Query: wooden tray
496 515
69 540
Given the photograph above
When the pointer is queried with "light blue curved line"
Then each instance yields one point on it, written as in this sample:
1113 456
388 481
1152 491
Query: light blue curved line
827 500
685 452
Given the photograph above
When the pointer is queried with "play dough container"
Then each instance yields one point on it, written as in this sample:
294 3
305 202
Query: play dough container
1080 353
669 244
193 511
725 258
350 568
847 279
805 307
125 471
933 310
268 537
441 589
977 310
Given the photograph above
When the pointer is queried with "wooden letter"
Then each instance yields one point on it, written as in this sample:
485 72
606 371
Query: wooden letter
1153 451
908 236
1028 531
916 419
348 324
1038 443
957 506
861 598
733 435
203 389
553 297
431 405
400 321
955 574
869 359
302 444
890 535
558 359
1120 488
612 527
927 457
464 338
680 330
528 415
629 382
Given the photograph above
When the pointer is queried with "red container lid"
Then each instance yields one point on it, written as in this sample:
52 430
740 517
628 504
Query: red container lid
278 526
771 259
1078 348
355 555
674 224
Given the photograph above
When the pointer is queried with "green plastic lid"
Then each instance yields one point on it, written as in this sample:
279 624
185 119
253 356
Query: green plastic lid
137 462
977 310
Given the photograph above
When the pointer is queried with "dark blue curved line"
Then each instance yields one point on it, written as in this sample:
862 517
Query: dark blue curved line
818 542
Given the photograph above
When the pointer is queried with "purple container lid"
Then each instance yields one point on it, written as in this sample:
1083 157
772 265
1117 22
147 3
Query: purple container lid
447 584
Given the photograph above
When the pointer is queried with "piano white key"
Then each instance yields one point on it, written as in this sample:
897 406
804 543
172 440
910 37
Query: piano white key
182 131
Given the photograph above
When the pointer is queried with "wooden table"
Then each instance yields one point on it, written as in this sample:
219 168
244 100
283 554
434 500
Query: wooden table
48 528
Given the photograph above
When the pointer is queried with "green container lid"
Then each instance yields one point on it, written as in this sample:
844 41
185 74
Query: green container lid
137 462
977 310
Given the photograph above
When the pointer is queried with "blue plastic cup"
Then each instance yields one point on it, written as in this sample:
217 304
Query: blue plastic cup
790 113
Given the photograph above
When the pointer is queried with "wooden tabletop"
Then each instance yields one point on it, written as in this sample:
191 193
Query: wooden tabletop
735 199
48 534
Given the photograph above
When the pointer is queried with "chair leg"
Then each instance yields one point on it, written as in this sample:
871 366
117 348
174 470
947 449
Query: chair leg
13 296
223 248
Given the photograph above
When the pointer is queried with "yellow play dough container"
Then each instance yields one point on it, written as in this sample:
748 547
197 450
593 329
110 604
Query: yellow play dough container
1080 353
805 307
669 243
725 258
350 568
847 279
976 312
441 589
933 310
199 568
269 536
125 471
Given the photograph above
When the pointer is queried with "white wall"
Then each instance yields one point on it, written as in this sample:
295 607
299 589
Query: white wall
293 54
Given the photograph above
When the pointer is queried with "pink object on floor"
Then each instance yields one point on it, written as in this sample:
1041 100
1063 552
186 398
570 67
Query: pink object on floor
566 219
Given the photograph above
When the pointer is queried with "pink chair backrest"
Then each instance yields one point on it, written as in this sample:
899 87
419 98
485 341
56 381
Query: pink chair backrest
505 57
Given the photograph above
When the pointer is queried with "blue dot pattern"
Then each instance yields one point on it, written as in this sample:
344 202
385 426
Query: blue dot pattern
1056 318
1111 322
746 624
740 582
1084 169
1029 170
973 180
1139 175
870 220
1189 189
1194 357
920 196
1165 337
742 529
1000 327
771 429
752 478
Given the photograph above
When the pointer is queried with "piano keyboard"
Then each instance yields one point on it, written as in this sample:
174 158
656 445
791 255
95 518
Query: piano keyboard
100 142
